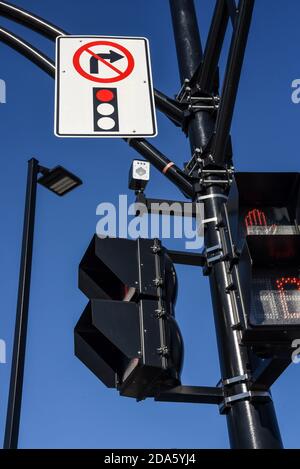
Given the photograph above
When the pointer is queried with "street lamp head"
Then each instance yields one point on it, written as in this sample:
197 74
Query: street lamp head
59 180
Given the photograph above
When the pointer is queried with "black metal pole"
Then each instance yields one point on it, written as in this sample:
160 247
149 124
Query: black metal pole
34 22
231 80
18 358
213 47
250 424
28 51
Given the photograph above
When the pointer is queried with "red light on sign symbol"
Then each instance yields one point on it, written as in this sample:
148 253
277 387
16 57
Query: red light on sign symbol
281 285
105 95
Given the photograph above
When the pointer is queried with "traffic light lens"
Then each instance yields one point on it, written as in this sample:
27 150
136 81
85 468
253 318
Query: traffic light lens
105 109
105 95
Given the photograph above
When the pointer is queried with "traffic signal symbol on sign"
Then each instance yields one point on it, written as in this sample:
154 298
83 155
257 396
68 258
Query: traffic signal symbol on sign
106 114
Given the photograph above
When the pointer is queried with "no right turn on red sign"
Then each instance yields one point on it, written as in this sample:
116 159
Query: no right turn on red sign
104 87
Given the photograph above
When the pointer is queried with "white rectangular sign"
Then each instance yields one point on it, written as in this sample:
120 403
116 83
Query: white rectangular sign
104 87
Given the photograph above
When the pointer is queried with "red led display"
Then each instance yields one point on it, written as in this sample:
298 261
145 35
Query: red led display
283 285
256 218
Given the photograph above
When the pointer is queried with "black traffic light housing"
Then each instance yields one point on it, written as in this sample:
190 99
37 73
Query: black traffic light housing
263 214
127 334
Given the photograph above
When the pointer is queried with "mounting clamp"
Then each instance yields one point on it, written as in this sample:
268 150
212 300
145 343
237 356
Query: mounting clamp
253 396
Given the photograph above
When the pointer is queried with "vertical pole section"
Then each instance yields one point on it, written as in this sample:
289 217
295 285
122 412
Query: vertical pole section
18 358
232 78
250 425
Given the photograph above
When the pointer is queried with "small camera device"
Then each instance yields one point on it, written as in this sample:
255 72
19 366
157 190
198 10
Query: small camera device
139 175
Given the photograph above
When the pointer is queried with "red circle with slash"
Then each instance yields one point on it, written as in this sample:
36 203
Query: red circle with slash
121 74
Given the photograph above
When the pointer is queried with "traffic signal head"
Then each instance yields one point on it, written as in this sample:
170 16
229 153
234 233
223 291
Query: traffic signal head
263 204
263 214
127 334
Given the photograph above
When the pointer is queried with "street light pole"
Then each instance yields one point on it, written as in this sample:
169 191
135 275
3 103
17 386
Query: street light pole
60 181
18 358
250 424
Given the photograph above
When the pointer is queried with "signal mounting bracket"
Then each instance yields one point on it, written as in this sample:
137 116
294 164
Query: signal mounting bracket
261 396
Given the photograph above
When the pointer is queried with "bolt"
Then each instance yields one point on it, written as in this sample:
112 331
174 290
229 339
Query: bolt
160 313
158 282
163 351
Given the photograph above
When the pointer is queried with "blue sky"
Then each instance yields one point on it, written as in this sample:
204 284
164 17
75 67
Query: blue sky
64 405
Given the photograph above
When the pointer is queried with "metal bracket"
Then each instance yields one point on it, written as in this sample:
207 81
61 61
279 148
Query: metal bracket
184 91
192 394
194 101
249 394
214 259
194 162
187 258
261 396
218 247
186 95
225 177
212 196
235 380
203 103
209 220
164 207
